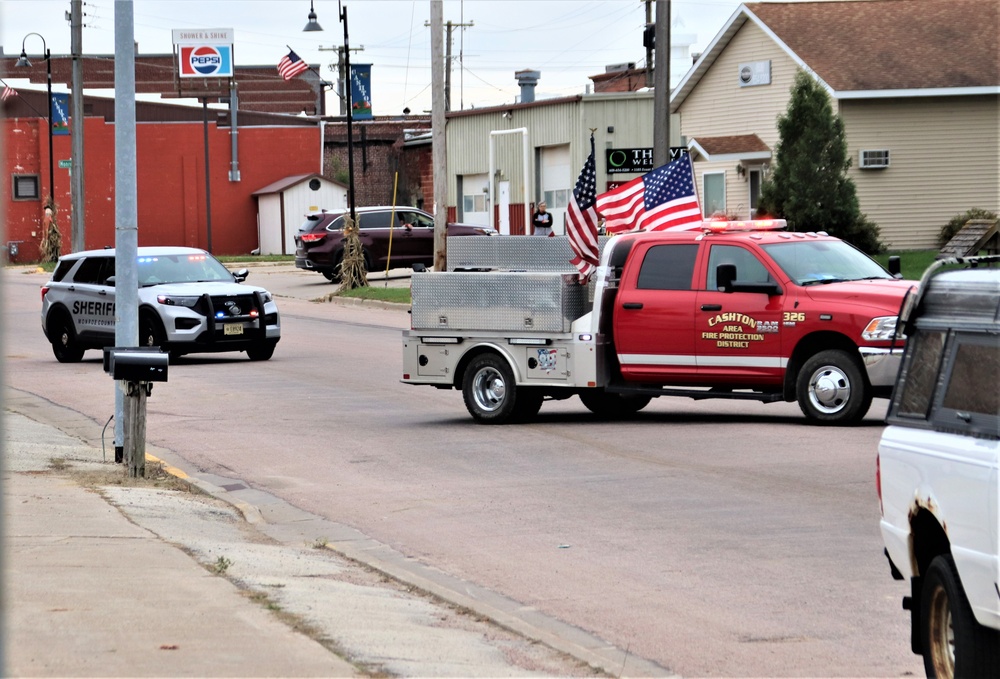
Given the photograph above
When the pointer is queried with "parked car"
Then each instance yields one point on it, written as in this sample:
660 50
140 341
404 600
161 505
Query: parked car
388 243
188 302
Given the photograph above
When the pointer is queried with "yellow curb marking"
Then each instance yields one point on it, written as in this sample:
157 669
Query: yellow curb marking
167 468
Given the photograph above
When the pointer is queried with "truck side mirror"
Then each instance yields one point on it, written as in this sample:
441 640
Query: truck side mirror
241 275
725 274
895 268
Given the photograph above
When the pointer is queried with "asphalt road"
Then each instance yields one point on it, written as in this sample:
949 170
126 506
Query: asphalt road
715 538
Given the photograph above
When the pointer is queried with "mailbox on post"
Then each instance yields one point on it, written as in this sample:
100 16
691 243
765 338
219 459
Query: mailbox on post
136 364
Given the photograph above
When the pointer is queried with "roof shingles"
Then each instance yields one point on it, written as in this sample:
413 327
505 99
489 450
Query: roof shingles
891 44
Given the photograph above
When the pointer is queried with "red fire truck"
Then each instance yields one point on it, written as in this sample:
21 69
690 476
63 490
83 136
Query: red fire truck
737 310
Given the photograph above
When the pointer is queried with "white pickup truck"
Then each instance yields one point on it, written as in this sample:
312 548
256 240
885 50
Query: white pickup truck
938 469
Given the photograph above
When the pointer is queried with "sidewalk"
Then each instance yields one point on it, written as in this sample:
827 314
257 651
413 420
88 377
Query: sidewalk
161 577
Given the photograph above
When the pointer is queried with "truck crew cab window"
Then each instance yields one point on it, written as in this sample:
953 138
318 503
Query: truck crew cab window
668 267
748 267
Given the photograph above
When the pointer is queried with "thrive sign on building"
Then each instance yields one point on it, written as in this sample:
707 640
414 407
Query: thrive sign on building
204 53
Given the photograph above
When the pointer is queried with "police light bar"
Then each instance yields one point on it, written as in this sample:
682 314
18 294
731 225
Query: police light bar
719 226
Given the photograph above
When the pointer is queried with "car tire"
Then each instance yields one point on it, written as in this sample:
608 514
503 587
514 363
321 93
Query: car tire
831 388
613 406
333 275
65 346
151 332
261 351
489 391
954 644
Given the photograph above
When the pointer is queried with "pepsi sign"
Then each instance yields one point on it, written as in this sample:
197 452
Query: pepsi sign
205 61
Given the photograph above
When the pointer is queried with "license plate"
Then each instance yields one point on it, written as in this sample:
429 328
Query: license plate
232 329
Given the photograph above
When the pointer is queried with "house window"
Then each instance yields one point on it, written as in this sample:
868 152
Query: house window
874 159
26 187
715 193
754 182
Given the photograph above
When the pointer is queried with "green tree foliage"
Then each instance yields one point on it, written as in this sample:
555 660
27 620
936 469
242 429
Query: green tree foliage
809 185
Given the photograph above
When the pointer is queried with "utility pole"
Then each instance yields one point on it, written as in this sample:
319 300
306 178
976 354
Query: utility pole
439 154
77 241
341 75
130 423
661 89
449 27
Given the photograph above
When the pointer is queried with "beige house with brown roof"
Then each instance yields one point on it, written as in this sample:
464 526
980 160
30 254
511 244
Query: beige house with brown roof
916 82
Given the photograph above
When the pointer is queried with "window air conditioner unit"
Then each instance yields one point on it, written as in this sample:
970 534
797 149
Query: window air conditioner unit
873 159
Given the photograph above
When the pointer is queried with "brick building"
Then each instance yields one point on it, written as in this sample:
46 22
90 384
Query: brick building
259 88
171 184
388 152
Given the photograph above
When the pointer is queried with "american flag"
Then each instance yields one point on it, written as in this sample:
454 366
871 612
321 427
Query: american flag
291 65
582 219
8 92
661 199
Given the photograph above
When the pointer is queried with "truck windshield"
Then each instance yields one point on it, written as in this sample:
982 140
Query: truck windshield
815 262
186 268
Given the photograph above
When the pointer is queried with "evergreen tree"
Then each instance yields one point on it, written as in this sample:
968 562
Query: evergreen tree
809 185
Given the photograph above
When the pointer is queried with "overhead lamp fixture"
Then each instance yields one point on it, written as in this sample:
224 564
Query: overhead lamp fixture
23 62
313 25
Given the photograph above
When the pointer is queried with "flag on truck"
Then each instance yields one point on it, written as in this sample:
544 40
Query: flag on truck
661 199
581 220
291 65
8 92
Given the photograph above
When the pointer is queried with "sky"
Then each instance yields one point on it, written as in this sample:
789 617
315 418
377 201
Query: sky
567 41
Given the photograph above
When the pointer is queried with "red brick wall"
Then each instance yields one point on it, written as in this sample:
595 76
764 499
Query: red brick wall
170 182
620 81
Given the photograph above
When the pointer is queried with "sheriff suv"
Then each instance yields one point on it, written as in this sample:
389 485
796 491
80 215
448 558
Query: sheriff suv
939 461
188 302
392 238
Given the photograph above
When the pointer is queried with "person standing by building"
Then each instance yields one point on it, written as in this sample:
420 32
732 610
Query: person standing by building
541 221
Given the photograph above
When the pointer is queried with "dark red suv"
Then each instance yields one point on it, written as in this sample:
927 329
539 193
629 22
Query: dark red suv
319 244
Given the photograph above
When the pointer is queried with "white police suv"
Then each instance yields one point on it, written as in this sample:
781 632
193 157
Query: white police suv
188 302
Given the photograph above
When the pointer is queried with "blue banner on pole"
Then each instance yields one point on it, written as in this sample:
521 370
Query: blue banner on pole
59 113
361 92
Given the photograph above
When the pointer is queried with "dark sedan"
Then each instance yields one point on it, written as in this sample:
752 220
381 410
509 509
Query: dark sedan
392 239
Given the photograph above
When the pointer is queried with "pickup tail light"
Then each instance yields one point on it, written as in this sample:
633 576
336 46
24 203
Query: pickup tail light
312 237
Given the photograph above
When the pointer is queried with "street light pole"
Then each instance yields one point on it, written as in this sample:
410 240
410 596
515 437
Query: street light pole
23 62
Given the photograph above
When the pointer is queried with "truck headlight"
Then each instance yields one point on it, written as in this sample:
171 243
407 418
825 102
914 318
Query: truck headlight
882 328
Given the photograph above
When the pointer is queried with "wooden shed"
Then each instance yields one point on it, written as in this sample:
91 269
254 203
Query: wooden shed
283 205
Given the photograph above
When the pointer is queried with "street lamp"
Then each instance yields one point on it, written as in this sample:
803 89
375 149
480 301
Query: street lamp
23 62
313 25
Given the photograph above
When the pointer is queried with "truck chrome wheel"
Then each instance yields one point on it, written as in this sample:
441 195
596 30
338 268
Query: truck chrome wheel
490 393
831 388
489 389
